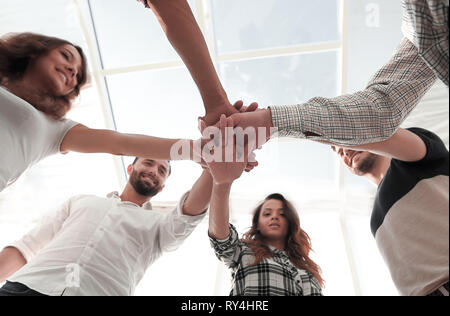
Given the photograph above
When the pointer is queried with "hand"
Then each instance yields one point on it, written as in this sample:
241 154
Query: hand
260 120
212 117
239 106
223 167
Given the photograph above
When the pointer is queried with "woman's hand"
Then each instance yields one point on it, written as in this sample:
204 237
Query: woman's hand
226 161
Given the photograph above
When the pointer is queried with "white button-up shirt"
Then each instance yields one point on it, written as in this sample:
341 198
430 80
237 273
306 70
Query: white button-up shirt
99 246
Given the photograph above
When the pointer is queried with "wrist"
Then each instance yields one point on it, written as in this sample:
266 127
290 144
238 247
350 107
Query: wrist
266 121
215 100
222 184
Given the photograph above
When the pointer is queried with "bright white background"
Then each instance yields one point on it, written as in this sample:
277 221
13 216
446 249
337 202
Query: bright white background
270 51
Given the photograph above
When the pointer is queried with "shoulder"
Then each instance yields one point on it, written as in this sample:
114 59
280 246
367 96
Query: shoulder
87 198
435 146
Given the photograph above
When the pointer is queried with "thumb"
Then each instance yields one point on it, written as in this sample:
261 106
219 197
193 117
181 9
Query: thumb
201 124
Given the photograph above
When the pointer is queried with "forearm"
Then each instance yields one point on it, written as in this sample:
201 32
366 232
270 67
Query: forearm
368 116
86 140
219 211
403 145
184 34
11 260
200 195
154 147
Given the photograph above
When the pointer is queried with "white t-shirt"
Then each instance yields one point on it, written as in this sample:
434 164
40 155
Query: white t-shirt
26 136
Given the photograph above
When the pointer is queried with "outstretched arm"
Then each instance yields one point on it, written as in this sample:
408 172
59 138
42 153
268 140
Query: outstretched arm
200 195
183 32
368 116
404 145
87 140
223 174
219 214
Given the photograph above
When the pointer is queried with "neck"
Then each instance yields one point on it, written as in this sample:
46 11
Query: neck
130 195
379 170
25 91
279 244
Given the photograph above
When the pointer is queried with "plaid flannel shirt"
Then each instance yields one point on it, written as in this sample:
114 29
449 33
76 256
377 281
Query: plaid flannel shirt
375 114
275 276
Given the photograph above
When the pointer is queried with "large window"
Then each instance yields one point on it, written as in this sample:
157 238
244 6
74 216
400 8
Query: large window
275 52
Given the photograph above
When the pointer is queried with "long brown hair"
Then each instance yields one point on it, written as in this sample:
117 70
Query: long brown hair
298 243
17 51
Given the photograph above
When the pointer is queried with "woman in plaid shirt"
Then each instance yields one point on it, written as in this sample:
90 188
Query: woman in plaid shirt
272 258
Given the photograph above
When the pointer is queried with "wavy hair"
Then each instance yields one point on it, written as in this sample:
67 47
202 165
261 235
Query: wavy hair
17 51
298 243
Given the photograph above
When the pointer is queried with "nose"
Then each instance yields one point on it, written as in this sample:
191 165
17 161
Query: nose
347 153
339 151
71 71
154 172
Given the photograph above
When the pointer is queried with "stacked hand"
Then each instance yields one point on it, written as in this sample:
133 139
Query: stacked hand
213 116
212 127
227 159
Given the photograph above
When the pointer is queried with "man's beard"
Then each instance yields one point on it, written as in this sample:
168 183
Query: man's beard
366 164
143 188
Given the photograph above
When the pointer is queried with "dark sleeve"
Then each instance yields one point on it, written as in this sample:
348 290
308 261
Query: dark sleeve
436 150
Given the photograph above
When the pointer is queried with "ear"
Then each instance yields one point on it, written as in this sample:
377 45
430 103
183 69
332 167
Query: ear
33 57
130 170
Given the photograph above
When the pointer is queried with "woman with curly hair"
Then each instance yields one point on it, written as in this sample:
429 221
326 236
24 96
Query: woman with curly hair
272 258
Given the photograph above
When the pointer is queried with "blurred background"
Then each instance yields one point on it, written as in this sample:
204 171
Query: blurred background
274 52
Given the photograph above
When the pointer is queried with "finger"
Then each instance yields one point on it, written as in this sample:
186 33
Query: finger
252 158
252 107
201 125
250 166
223 128
238 105
230 139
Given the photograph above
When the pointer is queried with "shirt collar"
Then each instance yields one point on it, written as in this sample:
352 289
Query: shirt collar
278 251
115 195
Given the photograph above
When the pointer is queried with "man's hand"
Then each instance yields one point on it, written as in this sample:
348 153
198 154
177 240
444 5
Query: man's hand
213 116
238 107
223 167
260 120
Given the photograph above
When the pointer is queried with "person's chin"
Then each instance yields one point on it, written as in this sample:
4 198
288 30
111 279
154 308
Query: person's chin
275 233
58 89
